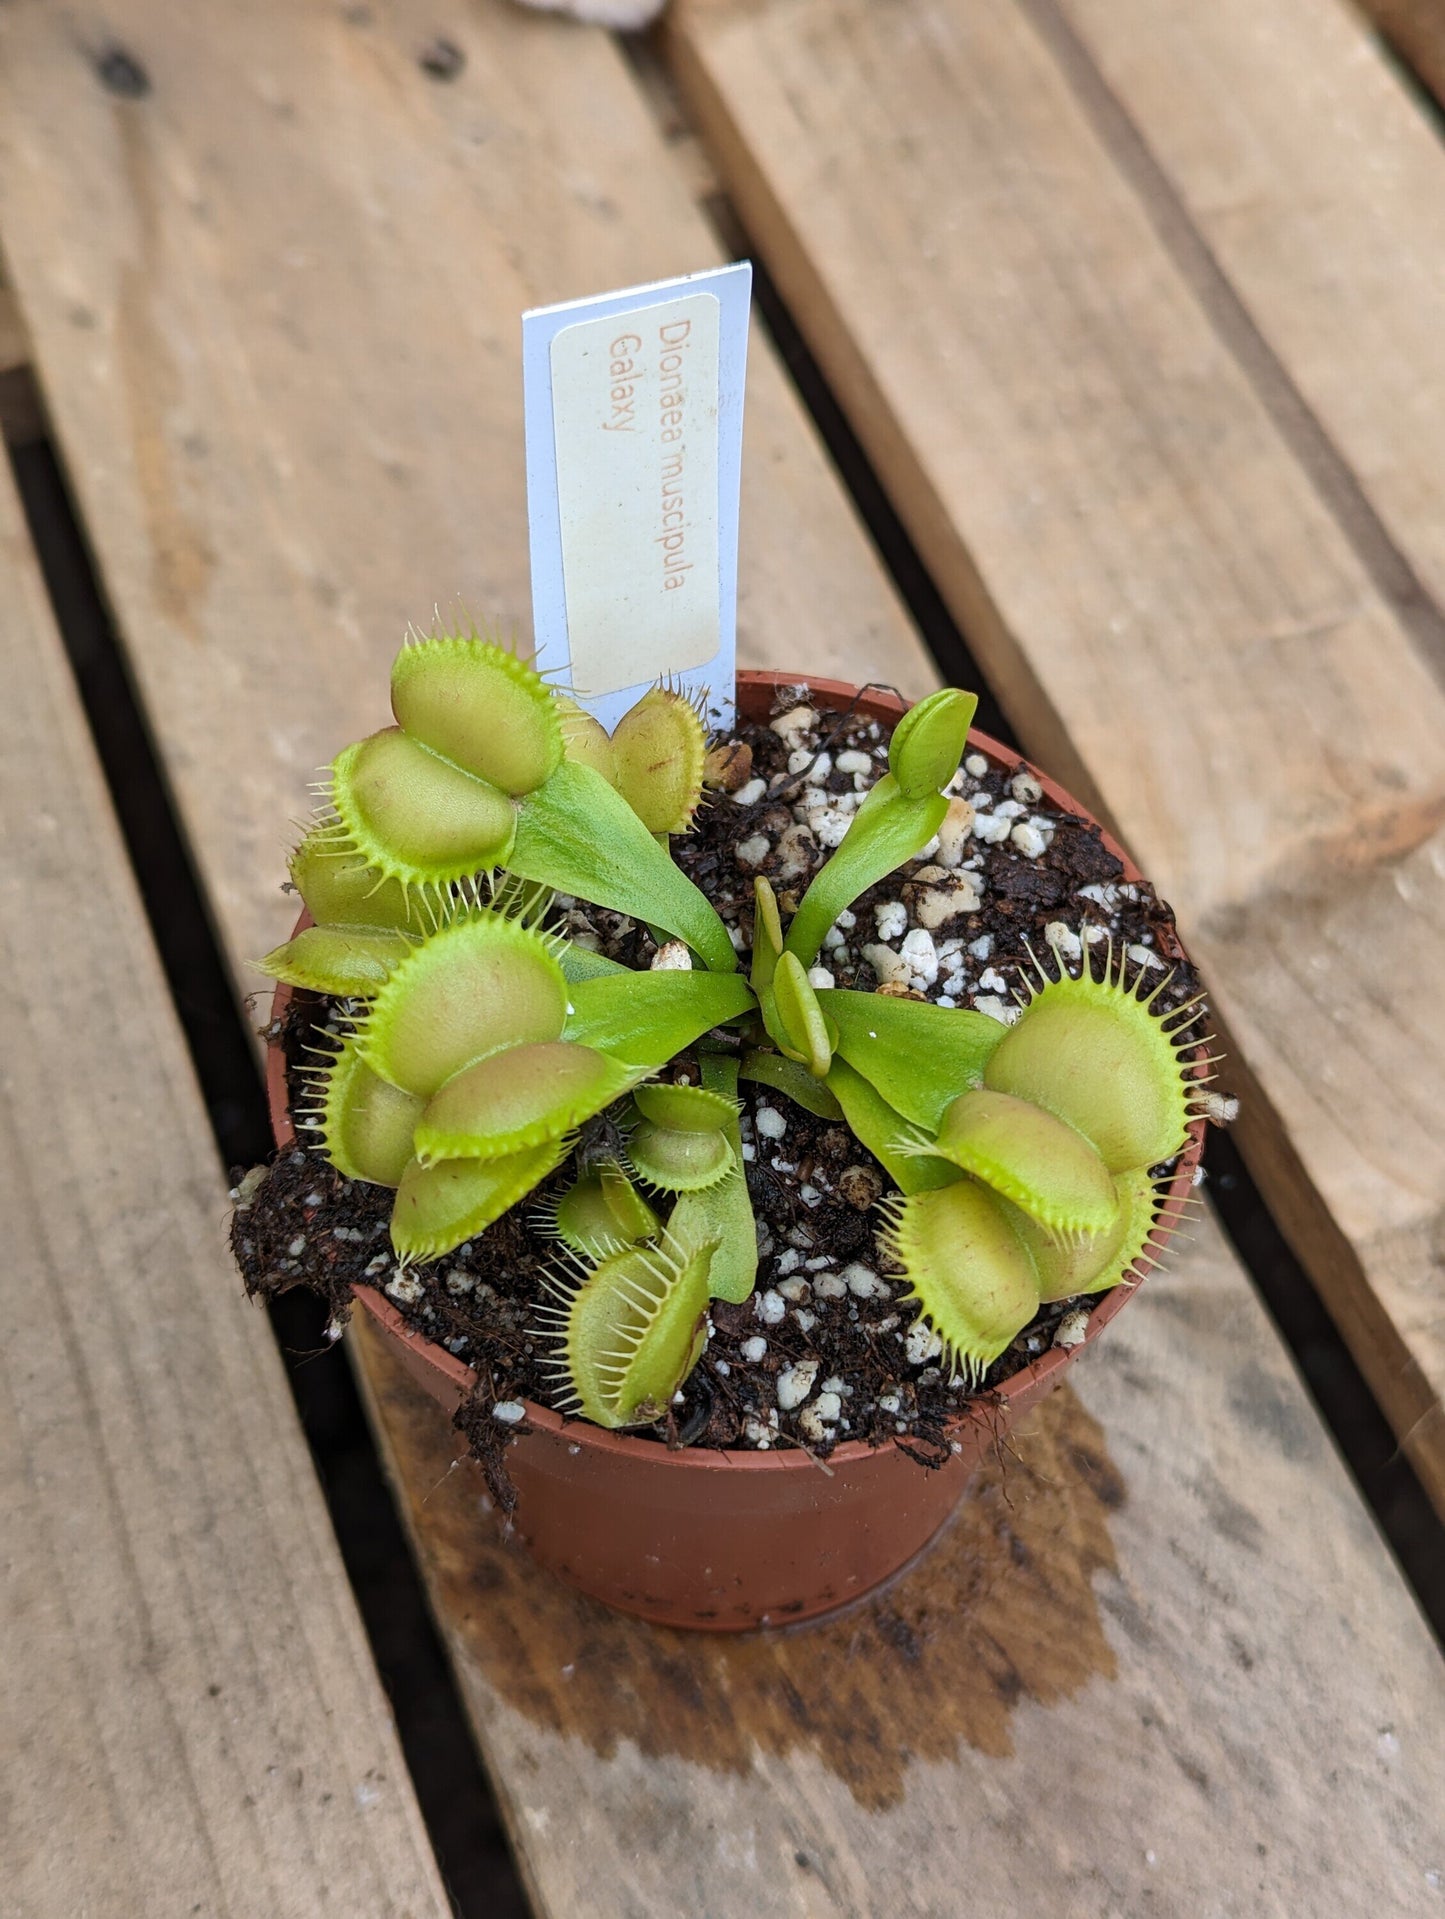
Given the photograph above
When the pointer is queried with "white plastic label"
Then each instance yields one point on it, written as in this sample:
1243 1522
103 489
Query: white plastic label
634 407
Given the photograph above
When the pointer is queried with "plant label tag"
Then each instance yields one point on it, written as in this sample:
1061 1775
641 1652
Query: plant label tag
634 417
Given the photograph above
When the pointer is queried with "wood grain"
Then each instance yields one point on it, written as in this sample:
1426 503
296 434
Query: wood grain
274 303
192 1719
1183 589
1317 184
1157 1665
276 306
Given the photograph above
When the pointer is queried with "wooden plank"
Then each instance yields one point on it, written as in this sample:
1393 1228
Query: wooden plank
275 304
192 1719
1157 1665
1318 185
1127 505
1416 30
230 449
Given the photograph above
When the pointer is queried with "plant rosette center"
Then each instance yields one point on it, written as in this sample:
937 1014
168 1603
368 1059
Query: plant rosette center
929 1126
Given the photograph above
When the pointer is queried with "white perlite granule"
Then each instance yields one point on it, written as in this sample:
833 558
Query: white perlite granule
770 1307
795 1383
863 1282
788 726
1072 1328
919 955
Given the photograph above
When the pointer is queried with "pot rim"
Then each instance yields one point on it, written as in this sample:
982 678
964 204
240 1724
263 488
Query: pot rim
989 1408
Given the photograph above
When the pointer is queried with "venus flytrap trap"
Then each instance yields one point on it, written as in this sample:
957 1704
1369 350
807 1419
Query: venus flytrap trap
485 1053
600 1213
680 1144
628 1330
722 1213
365 923
659 747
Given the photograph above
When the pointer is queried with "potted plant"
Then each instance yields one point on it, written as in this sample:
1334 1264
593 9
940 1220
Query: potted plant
730 1269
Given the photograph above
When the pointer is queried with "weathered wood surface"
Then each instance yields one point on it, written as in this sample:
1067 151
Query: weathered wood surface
1416 30
1317 183
275 307
1158 1666
273 304
1186 502
192 1721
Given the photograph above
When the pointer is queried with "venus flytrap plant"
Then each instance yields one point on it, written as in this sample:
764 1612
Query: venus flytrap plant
487 1053
477 1060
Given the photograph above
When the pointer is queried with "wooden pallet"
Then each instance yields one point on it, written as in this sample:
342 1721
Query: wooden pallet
1162 1662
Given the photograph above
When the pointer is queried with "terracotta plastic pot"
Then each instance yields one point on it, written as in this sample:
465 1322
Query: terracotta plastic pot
723 1541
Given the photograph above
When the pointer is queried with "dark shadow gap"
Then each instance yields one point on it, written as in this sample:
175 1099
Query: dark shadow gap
1385 1478
451 1787
1419 68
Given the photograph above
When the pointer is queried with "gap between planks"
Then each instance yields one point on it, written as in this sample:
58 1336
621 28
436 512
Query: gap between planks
1416 30
22 417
